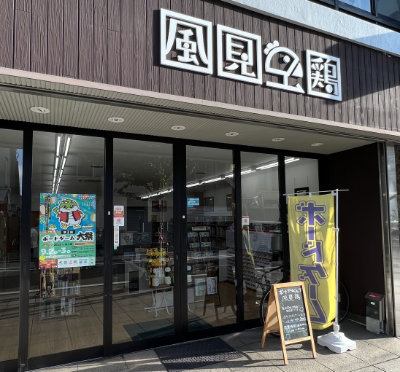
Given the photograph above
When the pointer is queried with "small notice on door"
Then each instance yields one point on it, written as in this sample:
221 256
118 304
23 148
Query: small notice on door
119 215
116 237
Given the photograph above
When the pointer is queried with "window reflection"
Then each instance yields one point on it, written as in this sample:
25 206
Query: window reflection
388 8
66 302
143 261
10 210
361 4
261 228
210 238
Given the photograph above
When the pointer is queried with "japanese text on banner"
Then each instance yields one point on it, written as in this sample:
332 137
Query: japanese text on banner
311 222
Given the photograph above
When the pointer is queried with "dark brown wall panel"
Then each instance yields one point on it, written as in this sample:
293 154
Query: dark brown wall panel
86 39
258 89
71 38
55 38
22 51
114 42
220 84
210 82
6 32
249 89
283 95
199 79
350 88
239 86
39 36
177 75
330 48
187 77
266 38
100 60
356 84
127 47
230 85
386 91
375 94
381 95
117 42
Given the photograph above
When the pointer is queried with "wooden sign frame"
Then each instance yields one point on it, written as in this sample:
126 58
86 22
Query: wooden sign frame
273 320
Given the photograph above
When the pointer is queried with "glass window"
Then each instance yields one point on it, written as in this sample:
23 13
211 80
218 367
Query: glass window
143 261
301 175
210 238
10 212
388 8
66 297
261 227
361 4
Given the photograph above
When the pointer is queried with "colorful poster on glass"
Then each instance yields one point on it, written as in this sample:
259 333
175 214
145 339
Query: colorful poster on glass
67 231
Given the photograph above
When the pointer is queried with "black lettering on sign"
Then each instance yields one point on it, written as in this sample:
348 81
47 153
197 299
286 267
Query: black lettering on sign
293 313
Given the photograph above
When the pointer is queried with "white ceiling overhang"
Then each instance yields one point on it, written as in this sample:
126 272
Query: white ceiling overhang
84 104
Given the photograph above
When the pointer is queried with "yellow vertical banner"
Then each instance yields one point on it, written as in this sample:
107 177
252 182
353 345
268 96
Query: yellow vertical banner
311 223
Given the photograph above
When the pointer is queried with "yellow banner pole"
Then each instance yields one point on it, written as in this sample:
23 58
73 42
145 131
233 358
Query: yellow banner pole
336 341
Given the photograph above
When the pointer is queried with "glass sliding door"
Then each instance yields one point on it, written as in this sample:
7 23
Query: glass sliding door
10 212
210 265
66 294
261 227
143 261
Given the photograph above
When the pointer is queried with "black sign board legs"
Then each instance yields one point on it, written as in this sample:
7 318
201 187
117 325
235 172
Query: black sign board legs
288 315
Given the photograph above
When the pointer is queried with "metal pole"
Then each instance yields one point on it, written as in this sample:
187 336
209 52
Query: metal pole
316 192
336 327
336 341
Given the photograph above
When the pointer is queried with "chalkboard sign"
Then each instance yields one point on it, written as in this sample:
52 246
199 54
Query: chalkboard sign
293 314
288 314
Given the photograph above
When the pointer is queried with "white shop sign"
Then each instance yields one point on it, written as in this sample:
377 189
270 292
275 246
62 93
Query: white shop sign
187 43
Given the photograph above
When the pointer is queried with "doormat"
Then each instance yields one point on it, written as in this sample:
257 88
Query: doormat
160 328
196 354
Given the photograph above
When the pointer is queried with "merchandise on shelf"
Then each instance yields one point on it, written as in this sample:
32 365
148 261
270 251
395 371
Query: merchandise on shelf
59 292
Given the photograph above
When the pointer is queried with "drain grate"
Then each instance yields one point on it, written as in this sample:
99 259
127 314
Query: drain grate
196 354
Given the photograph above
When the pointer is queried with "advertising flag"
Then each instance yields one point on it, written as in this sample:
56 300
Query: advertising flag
311 223
67 230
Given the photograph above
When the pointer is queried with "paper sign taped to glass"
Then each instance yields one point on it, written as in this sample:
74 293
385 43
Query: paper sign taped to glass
67 230
311 222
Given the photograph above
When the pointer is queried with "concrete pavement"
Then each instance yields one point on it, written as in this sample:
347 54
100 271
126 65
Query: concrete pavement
373 353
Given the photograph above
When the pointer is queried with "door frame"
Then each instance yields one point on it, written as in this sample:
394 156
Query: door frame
179 240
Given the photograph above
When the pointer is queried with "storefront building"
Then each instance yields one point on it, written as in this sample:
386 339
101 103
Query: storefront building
146 149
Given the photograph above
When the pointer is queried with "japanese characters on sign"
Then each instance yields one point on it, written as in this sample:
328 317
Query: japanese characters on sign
239 55
323 79
312 253
186 43
291 67
67 231
312 215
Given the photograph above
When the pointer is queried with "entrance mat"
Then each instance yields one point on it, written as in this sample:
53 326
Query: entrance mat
160 328
196 354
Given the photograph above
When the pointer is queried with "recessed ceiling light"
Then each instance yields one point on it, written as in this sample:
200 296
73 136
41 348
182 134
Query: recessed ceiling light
278 139
317 144
115 119
231 134
40 110
178 127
